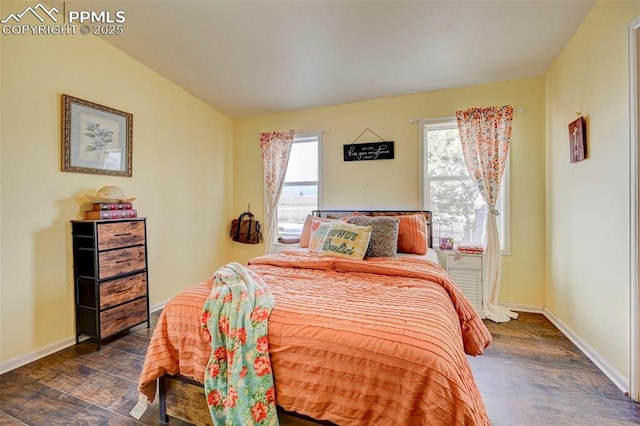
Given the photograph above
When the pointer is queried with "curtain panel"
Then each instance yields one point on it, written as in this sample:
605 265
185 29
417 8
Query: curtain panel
485 134
276 148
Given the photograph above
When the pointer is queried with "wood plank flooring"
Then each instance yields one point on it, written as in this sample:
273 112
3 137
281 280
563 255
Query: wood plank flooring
530 375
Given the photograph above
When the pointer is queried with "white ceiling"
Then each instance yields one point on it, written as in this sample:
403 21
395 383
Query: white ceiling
251 57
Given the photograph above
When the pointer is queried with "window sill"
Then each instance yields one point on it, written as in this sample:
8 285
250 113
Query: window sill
278 247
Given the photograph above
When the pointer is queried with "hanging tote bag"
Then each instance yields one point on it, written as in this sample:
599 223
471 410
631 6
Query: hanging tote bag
246 229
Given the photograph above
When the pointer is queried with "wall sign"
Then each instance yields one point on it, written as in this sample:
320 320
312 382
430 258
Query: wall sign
368 151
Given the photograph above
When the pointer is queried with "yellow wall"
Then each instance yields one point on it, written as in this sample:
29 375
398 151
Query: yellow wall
588 234
182 179
569 223
394 184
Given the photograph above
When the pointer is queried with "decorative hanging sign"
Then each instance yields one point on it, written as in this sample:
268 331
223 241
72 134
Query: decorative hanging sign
368 151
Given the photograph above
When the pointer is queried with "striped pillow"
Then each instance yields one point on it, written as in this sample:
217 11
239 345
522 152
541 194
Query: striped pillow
305 236
412 234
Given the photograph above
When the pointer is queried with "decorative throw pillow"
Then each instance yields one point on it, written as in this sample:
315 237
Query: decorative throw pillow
305 235
384 234
317 236
346 240
311 224
345 217
412 234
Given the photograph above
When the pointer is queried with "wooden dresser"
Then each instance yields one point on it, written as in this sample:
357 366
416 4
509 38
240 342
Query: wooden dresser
110 276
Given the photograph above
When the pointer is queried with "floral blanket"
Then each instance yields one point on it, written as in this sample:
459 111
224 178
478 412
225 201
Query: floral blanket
238 381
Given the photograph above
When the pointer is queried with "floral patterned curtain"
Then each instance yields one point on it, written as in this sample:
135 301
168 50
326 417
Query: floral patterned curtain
485 134
276 147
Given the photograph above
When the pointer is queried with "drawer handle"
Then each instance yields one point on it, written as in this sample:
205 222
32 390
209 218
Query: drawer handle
122 235
124 260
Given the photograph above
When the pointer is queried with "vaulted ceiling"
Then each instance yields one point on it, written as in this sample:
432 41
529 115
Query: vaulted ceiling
252 57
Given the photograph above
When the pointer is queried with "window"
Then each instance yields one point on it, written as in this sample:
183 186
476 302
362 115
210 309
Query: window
301 190
449 192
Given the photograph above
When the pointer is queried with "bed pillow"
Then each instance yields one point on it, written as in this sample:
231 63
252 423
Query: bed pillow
346 240
412 234
347 216
384 234
311 224
317 236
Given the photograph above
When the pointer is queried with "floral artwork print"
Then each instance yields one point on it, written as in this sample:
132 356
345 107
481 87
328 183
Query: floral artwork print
276 148
99 138
238 380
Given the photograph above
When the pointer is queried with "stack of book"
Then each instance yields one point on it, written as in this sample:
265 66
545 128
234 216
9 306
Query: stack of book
470 248
111 211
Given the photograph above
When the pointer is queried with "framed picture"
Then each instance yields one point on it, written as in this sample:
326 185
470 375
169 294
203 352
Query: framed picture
577 140
446 243
95 139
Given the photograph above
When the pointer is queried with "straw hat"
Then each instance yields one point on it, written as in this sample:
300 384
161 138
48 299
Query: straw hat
110 194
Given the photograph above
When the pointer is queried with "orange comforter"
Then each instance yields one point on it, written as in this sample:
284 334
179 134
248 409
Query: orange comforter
375 342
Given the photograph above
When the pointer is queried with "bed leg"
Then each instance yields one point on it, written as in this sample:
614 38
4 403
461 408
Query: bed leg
164 418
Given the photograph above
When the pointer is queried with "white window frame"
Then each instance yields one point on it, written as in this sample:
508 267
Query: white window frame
305 138
444 123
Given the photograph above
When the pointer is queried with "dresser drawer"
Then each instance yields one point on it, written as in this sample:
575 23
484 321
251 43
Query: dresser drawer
122 290
110 276
123 317
120 234
464 262
121 261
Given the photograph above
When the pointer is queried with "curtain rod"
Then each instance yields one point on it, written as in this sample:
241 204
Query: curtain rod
303 134
440 119
433 119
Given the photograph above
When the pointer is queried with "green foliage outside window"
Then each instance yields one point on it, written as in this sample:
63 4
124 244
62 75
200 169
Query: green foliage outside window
454 198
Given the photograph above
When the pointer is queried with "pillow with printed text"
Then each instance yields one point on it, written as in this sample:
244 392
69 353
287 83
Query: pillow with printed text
345 240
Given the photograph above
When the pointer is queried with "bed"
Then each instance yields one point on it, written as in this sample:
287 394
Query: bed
352 342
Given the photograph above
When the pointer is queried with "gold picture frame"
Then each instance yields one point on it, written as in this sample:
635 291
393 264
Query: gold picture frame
96 139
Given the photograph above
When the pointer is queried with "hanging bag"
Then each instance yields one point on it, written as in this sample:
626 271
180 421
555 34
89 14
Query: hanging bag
245 229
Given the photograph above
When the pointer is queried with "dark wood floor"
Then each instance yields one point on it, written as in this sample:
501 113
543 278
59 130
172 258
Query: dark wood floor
530 375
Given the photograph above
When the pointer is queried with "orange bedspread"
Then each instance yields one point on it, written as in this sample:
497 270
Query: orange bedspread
375 342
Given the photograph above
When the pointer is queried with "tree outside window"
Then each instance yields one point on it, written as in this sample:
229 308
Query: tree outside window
457 207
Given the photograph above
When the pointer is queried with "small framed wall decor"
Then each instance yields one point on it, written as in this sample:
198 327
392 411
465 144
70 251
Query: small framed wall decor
96 139
577 140
446 243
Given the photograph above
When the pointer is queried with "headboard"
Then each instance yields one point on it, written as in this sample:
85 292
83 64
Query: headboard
336 214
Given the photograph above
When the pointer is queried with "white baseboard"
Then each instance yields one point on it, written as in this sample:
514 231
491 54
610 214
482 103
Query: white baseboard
14 363
158 306
47 350
607 369
523 308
